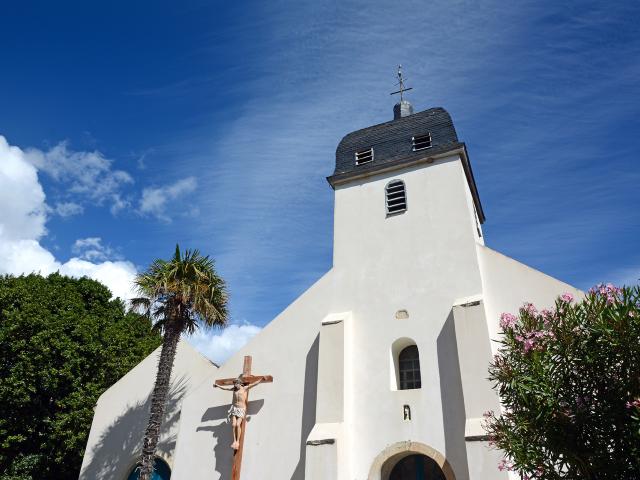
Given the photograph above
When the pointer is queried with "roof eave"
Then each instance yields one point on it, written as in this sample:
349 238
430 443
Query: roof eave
459 148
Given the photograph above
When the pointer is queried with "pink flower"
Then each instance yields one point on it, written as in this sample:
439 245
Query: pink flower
507 320
529 344
534 340
567 297
610 291
547 316
530 308
613 289
634 404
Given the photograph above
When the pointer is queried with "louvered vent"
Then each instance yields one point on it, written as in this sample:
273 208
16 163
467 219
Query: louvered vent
364 156
420 142
396 197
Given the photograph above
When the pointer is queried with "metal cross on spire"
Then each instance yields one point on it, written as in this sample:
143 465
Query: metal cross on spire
401 83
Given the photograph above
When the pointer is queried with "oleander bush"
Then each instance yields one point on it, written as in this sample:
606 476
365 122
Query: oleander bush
569 384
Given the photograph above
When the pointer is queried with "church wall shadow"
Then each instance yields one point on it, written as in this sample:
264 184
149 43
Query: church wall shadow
453 411
223 453
308 405
119 444
224 436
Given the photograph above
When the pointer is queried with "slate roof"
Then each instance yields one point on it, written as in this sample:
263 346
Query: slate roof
392 147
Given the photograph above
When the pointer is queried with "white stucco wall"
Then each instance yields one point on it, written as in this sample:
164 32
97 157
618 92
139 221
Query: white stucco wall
419 261
507 284
281 414
122 412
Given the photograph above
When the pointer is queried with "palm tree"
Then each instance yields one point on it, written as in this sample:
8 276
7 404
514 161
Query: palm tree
178 295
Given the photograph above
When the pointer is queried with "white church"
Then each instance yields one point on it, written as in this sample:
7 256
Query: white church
379 368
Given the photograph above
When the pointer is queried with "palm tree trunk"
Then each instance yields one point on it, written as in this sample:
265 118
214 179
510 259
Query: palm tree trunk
158 401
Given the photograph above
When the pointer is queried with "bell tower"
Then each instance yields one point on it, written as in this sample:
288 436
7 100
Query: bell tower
407 231
403 189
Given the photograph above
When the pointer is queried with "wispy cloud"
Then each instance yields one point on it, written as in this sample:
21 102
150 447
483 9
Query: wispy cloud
523 84
92 249
85 175
269 204
67 209
156 200
628 275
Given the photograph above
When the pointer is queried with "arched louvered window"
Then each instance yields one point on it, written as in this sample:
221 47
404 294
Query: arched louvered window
396 197
409 368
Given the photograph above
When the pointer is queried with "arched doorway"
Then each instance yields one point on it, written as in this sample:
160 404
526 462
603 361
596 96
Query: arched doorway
416 467
420 459
161 471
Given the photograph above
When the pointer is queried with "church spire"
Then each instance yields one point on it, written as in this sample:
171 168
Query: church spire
403 108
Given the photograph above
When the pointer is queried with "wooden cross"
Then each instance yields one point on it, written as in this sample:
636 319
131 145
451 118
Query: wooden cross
247 377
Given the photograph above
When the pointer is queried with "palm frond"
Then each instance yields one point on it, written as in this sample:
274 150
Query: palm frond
188 283
140 304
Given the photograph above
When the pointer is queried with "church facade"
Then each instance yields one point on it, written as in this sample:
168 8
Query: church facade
379 368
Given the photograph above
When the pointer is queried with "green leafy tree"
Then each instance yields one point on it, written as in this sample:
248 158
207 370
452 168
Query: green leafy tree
569 383
63 341
178 295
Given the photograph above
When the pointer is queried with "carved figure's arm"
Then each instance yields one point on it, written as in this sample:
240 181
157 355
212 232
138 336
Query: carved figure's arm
254 383
228 389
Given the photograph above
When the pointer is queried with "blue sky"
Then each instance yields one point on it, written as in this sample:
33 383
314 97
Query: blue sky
214 125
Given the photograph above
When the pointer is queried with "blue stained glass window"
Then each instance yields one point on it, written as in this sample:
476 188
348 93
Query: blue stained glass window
161 471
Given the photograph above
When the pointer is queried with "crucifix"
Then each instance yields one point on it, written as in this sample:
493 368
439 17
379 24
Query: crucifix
401 83
240 387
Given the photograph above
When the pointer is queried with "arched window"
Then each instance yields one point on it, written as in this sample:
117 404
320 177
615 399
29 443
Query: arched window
396 197
409 368
161 471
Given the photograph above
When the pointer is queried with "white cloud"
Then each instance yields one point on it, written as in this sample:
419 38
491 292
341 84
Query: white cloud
21 196
154 199
219 345
92 249
67 209
84 174
118 275
118 203
22 225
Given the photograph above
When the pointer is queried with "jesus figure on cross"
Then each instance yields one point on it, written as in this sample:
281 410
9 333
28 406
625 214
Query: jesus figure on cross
238 409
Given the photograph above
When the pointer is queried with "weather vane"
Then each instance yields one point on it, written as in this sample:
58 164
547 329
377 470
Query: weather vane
401 83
